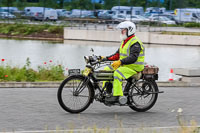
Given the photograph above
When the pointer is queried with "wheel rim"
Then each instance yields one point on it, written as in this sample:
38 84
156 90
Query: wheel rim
141 96
74 97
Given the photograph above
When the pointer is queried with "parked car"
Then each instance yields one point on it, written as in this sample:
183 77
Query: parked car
77 13
48 15
151 15
29 10
171 17
88 16
128 10
163 20
144 18
105 14
119 17
5 15
137 18
9 9
63 13
37 16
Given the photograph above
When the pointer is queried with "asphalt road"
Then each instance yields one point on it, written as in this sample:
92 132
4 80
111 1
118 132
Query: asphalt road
30 109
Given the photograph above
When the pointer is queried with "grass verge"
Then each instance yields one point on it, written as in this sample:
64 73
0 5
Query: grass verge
30 30
181 33
26 73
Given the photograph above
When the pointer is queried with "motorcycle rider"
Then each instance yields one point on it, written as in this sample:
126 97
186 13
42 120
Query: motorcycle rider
128 59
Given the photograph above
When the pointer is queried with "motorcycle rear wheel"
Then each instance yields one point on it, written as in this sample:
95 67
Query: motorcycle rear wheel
145 89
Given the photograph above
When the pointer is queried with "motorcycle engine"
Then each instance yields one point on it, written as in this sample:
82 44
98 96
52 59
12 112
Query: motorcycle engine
123 100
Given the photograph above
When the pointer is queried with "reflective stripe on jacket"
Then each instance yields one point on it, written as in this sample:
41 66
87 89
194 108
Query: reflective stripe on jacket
125 52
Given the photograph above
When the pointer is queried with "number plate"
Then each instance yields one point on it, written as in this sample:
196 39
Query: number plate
86 71
74 71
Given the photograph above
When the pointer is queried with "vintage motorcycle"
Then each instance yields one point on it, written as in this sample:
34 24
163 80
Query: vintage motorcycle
78 91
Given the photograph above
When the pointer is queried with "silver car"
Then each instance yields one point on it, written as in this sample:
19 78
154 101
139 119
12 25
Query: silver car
4 15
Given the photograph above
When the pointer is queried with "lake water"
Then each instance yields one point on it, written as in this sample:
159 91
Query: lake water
15 53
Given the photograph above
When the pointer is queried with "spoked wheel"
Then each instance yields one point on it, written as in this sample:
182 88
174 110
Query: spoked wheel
143 96
75 94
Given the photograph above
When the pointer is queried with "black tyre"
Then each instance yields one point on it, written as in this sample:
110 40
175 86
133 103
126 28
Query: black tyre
142 96
74 94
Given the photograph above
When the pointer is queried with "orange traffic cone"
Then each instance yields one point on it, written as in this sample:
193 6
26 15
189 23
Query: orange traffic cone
171 75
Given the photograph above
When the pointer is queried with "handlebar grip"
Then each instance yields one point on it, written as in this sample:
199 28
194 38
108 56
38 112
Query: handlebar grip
104 59
94 63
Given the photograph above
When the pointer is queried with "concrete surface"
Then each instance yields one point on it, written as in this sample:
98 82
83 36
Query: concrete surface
57 84
29 84
191 79
113 36
173 129
190 72
143 28
189 75
28 110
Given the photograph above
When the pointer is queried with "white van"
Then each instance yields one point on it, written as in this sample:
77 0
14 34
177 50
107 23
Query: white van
50 15
187 15
31 10
76 13
156 10
128 10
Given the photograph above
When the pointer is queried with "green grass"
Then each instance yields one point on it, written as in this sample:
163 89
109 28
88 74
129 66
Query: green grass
28 29
196 25
183 127
157 24
181 33
26 73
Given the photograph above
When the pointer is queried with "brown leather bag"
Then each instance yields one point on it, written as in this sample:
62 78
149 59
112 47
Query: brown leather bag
150 70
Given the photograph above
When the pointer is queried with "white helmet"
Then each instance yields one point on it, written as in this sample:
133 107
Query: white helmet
130 26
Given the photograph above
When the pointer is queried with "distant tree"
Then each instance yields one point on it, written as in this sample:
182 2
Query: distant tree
138 3
154 3
48 3
7 3
98 6
193 3
20 4
79 4
61 3
85 4
124 3
181 3
171 4
108 4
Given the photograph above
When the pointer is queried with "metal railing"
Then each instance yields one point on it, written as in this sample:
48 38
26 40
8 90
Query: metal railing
93 24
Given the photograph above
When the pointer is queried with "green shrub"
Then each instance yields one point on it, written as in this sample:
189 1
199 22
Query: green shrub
26 73
52 73
56 29
27 29
180 33
31 75
192 25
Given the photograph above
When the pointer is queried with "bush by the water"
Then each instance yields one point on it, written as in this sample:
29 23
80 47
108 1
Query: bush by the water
27 29
197 25
26 73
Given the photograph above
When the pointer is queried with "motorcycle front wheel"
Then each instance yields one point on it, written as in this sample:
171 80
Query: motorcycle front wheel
75 94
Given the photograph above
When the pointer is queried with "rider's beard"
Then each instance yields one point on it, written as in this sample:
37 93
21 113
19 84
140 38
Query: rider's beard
123 37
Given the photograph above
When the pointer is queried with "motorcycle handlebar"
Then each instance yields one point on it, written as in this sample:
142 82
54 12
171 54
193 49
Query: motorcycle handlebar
93 60
94 63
